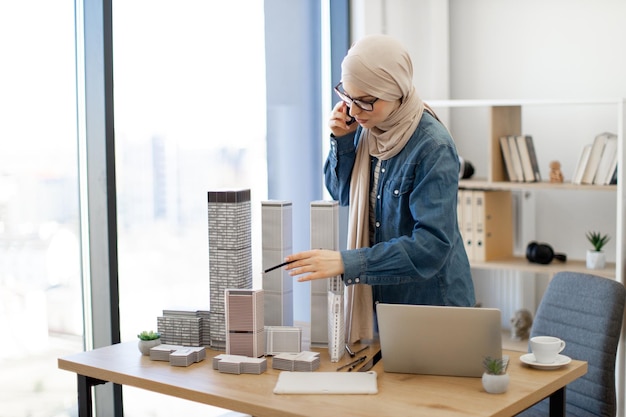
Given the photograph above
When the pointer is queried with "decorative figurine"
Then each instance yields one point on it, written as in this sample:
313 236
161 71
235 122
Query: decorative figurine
520 324
555 172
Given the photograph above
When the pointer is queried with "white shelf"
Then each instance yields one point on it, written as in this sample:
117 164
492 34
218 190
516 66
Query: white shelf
483 184
506 115
522 264
524 102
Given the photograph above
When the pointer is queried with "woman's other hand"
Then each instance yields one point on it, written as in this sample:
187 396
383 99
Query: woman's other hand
316 264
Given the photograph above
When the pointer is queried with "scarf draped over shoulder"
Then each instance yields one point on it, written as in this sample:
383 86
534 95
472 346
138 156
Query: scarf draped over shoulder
379 66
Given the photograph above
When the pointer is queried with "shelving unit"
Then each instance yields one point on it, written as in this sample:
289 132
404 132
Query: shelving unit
506 119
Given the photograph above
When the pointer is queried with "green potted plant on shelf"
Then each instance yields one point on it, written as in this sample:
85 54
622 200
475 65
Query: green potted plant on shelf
596 258
495 379
148 340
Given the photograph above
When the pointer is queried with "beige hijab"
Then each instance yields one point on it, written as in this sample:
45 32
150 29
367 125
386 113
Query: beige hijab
381 67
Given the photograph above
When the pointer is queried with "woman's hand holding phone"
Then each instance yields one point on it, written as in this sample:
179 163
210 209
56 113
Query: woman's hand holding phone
341 123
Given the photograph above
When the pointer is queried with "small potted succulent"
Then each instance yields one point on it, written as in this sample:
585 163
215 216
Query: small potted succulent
596 258
148 340
495 379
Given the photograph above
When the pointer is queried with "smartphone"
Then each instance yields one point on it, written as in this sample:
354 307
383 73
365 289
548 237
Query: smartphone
352 119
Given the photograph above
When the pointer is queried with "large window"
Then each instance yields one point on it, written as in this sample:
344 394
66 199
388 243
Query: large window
40 291
190 117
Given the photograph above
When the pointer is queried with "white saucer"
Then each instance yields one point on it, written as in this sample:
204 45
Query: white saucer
529 359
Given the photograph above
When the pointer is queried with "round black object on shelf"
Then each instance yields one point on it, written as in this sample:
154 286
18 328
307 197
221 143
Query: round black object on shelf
542 253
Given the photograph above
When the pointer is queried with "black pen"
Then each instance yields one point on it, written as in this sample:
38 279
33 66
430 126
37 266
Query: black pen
353 363
277 266
353 366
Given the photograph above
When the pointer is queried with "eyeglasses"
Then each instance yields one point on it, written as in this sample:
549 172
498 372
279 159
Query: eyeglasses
361 104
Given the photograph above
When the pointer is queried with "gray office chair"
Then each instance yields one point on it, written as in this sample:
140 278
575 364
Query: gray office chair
586 311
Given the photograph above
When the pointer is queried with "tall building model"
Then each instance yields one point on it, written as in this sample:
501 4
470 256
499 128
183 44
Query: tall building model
327 303
276 244
230 254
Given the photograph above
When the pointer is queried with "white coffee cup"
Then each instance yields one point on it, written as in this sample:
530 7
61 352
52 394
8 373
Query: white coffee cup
546 348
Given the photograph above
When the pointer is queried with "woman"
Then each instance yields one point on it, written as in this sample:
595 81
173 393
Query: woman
397 168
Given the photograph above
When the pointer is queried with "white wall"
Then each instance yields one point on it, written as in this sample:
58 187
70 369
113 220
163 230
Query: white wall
537 48
422 25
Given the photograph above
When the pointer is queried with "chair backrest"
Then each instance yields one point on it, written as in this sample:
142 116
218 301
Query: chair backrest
586 311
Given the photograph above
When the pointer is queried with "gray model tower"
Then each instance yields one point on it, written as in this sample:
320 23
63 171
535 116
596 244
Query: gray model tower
277 243
230 253
327 304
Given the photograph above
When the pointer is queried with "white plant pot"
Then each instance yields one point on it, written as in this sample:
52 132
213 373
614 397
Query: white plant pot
595 259
146 345
495 384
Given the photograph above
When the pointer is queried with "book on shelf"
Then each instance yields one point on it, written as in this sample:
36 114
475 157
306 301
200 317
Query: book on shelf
528 157
608 161
524 157
507 158
594 158
533 157
488 231
515 158
580 166
614 177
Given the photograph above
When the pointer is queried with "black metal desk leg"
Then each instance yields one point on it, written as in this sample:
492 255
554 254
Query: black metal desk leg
557 403
85 384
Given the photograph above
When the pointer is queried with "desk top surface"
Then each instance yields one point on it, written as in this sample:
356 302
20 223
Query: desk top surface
253 394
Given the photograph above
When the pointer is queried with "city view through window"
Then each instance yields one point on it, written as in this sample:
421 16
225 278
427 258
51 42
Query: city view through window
189 117
40 288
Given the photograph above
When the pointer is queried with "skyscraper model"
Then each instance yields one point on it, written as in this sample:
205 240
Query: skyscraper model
327 304
276 244
230 254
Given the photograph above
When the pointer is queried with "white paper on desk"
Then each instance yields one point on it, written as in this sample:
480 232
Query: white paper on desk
326 383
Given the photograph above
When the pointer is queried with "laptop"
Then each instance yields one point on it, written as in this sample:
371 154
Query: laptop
436 340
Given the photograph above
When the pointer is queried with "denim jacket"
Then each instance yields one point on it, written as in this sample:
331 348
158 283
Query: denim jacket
417 256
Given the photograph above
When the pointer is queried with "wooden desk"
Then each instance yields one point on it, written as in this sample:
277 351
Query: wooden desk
398 394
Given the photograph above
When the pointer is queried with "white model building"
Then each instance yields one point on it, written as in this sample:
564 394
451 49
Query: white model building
276 244
327 303
283 339
230 253
245 332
